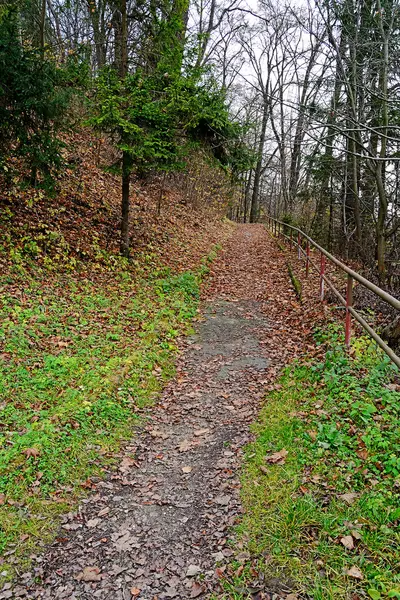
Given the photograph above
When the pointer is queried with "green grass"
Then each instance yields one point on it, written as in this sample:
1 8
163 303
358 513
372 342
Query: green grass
339 420
78 357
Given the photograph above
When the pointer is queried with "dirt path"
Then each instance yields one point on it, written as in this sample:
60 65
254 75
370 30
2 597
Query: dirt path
158 527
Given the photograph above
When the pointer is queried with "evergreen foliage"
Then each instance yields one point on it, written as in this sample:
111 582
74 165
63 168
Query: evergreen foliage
32 102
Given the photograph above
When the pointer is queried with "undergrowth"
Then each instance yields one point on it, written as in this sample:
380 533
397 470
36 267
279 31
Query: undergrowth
325 521
79 357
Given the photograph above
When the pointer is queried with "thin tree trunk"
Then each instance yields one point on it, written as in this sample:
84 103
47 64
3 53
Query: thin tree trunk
126 176
246 196
257 172
380 166
126 160
42 26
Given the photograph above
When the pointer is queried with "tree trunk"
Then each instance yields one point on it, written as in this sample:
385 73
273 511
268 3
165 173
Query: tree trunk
42 27
126 160
126 176
380 165
247 196
98 32
257 172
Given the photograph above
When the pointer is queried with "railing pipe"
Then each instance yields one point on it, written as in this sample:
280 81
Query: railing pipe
351 276
322 277
368 284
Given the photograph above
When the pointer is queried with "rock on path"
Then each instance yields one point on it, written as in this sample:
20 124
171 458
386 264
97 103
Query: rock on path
157 528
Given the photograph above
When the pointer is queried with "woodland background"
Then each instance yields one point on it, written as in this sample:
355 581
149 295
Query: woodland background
287 109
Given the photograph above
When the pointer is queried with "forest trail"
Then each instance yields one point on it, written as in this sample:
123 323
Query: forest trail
158 527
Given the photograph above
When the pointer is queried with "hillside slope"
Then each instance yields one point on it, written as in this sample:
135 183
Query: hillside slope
177 217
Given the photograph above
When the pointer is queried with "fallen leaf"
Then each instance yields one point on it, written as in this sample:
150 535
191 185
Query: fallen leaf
197 589
348 498
355 573
126 463
193 570
347 541
159 434
363 454
92 523
222 500
200 432
278 458
2 499
89 574
31 452
356 534
187 469
135 592
103 512
184 446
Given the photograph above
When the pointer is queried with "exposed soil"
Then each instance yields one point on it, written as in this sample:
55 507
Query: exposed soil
159 526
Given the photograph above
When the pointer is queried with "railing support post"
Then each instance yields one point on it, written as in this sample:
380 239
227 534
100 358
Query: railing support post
349 303
321 278
291 238
307 258
298 246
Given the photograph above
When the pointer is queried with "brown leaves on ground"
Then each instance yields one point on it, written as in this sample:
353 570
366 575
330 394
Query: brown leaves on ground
87 212
89 574
197 590
31 452
200 432
126 464
184 446
253 267
277 458
349 497
355 573
347 541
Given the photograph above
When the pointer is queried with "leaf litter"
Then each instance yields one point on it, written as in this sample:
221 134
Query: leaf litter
155 529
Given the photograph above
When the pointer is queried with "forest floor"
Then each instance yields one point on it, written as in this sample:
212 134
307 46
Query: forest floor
160 525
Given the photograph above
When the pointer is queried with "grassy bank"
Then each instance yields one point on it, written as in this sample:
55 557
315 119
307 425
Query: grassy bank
78 357
324 518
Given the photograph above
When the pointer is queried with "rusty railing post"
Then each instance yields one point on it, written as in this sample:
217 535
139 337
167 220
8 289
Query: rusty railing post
291 238
298 246
349 303
321 278
307 258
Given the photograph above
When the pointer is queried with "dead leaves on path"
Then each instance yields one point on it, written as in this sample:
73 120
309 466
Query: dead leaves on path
89 574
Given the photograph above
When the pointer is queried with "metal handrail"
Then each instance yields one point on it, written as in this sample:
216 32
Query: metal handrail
277 226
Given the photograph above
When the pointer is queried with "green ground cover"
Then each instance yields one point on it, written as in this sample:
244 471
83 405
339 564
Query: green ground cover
325 517
79 356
